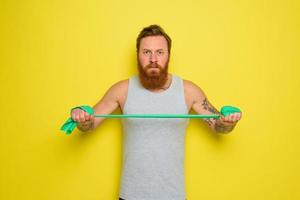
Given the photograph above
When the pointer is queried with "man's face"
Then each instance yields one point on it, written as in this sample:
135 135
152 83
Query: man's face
153 50
153 60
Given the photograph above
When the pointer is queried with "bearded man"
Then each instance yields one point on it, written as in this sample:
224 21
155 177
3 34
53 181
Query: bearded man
153 154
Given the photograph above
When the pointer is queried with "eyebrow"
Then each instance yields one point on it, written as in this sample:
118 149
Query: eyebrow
150 49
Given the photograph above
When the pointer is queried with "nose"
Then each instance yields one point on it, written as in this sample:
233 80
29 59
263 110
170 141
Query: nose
153 58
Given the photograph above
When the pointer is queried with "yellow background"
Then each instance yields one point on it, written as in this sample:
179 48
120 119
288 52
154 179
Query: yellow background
56 54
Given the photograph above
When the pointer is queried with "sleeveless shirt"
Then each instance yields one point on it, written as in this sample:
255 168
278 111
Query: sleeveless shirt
153 148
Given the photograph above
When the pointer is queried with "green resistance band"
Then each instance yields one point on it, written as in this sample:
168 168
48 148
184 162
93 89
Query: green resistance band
157 116
70 124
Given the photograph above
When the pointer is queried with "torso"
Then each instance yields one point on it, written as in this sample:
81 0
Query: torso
153 149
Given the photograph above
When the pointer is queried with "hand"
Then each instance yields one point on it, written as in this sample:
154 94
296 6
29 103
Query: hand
79 115
231 118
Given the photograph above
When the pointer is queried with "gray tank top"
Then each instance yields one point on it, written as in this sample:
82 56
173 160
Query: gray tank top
153 150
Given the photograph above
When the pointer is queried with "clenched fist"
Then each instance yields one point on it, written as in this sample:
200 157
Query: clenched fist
79 115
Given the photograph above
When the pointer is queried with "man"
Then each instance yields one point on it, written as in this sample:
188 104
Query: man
154 148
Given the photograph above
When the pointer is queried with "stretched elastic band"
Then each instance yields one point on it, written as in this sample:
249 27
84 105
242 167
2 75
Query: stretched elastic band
70 124
157 116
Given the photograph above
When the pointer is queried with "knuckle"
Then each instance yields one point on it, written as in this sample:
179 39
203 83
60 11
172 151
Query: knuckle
76 118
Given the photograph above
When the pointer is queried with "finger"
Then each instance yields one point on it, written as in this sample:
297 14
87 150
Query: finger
92 117
238 116
230 118
75 116
233 117
81 117
226 119
87 116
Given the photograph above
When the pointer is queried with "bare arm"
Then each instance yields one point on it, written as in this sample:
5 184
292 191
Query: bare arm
197 101
112 99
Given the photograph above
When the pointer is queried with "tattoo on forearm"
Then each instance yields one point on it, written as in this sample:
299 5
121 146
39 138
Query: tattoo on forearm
217 124
222 128
85 126
207 106
209 121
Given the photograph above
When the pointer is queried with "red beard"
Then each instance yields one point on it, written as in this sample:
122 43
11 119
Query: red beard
153 76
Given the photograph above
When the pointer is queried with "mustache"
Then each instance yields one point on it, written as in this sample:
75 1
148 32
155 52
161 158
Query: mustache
153 65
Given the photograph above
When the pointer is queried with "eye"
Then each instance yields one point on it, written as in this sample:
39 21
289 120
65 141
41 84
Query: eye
160 53
147 52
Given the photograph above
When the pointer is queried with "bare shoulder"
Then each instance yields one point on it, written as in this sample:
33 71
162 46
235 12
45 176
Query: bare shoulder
193 93
192 90
118 92
120 87
121 84
113 97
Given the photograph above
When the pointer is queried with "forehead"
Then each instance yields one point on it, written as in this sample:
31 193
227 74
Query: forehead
154 42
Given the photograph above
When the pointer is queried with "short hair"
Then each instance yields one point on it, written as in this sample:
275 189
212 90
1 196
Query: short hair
153 30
